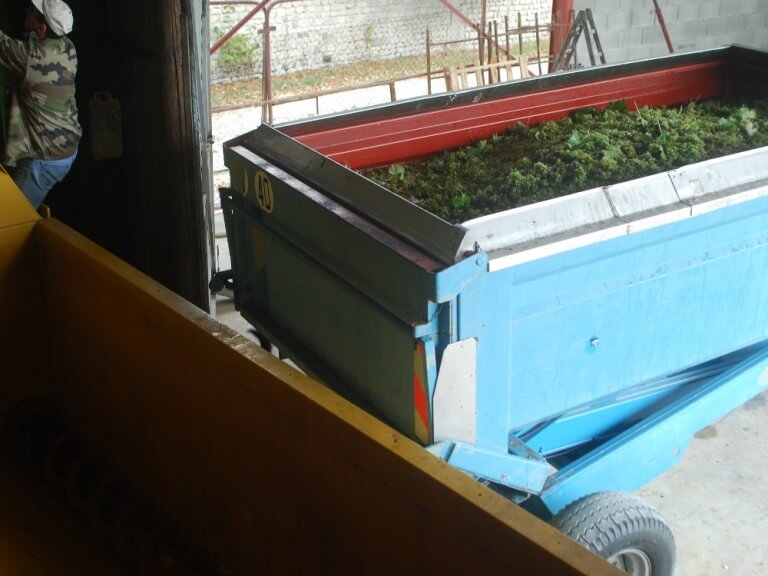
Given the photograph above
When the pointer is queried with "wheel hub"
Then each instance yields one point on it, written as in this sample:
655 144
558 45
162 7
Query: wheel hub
633 561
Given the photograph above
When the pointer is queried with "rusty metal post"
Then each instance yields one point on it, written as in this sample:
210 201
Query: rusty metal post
489 40
480 41
483 17
236 28
266 82
538 43
267 96
561 15
486 74
461 15
506 33
476 27
429 63
663 25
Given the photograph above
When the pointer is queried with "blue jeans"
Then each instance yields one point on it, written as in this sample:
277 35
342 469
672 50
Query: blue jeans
36 177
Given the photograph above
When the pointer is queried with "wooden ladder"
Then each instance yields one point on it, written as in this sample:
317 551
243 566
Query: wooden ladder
583 24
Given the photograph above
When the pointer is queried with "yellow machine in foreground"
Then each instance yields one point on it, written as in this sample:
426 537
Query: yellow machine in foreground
244 458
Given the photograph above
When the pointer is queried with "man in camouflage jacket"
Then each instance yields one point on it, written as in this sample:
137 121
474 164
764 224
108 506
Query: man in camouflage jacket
44 132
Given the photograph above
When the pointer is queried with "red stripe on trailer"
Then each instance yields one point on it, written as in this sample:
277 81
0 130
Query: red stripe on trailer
684 76
408 138
420 401
420 396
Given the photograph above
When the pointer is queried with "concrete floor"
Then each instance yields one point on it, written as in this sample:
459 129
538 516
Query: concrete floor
715 500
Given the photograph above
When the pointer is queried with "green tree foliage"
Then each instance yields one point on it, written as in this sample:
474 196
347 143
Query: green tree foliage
239 52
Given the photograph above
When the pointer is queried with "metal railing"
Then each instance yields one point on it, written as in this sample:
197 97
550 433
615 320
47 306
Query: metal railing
391 83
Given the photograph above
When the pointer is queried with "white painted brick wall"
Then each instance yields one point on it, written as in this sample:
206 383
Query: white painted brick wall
709 9
688 12
618 20
316 33
692 24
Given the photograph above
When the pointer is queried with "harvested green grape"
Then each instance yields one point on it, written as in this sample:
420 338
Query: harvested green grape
590 148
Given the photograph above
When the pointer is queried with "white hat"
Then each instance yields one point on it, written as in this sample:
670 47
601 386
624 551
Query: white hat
57 14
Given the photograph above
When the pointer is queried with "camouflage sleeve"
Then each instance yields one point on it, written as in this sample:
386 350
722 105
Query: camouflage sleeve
13 54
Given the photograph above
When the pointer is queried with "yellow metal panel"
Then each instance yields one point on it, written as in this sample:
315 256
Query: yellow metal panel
23 338
42 535
264 466
14 207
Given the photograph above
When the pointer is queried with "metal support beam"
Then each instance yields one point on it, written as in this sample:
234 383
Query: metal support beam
660 440
561 15
266 111
483 28
663 24
461 15
236 28
481 32
527 473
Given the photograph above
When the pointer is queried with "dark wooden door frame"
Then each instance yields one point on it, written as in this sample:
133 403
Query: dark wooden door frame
186 114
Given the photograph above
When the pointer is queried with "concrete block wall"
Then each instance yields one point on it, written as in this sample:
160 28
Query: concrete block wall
317 33
629 29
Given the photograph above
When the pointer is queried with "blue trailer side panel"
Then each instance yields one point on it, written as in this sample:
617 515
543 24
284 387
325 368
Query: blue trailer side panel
639 454
562 331
483 312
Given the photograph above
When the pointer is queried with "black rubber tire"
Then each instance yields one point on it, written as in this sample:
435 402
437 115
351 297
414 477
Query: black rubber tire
216 284
610 522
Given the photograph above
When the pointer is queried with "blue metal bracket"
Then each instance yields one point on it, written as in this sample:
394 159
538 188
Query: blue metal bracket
450 282
527 472
659 441
608 417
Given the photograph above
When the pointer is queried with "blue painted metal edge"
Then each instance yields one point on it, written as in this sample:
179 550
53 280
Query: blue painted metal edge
613 415
450 282
649 448
526 474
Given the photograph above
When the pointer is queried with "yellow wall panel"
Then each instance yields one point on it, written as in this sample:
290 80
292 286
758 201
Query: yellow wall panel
266 467
24 341
14 207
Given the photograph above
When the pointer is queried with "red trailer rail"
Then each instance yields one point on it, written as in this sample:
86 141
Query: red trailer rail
397 138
